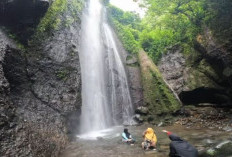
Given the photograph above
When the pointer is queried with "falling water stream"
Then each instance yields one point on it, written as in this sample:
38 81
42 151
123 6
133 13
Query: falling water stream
106 98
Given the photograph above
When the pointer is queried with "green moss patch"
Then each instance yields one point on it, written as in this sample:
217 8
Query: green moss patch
52 19
159 99
62 74
202 75
61 13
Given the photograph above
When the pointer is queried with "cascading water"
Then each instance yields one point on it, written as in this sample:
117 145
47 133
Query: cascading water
120 96
106 98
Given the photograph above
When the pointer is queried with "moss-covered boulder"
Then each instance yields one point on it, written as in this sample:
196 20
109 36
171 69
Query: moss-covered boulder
158 97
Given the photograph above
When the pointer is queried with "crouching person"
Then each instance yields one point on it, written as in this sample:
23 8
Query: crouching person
150 139
126 137
179 147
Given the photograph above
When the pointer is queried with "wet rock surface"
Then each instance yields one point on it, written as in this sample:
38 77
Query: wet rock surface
218 54
205 71
138 118
8 119
133 72
173 69
40 91
222 149
182 77
142 110
206 116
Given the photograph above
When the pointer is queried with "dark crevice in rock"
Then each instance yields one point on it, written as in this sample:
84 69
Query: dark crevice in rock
73 123
22 16
45 103
15 68
205 95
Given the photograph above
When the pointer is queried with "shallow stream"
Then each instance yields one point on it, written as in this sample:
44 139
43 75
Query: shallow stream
108 143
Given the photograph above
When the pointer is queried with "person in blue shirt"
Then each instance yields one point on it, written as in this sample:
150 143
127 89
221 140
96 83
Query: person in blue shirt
126 137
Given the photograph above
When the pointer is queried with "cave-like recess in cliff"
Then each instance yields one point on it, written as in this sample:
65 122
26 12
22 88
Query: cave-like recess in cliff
205 95
21 17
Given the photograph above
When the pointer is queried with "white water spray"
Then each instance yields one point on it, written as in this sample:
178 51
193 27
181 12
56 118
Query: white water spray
106 98
116 64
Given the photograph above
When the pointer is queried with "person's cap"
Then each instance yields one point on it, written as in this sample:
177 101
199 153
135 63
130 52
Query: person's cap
169 133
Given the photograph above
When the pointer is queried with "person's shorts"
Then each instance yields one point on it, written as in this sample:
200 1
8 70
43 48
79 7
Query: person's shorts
146 144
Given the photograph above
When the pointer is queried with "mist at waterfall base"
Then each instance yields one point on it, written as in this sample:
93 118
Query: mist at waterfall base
106 100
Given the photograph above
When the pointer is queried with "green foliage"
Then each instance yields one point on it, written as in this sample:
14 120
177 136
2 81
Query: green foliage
52 19
155 42
170 22
69 21
166 23
128 40
194 11
125 18
126 24
183 20
62 74
75 7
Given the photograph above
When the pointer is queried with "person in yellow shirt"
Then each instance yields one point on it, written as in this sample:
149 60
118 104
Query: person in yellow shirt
150 139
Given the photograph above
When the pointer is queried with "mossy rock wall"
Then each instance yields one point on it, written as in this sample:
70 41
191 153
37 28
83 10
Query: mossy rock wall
187 72
158 98
202 75
61 14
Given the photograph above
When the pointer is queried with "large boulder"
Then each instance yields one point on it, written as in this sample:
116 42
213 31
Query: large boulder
222 149
159 99
138 118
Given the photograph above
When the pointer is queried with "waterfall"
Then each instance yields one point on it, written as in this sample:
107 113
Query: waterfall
106 97
120 105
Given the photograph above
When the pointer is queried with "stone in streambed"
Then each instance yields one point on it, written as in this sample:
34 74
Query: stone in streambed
142 110
138 118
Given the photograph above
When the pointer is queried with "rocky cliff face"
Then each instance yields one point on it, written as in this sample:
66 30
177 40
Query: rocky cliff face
8 118
202 77
132 68
40 89
217 54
